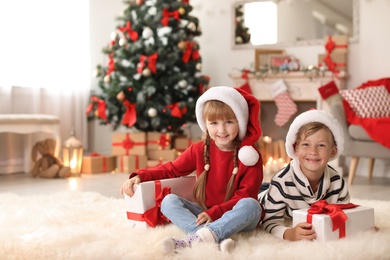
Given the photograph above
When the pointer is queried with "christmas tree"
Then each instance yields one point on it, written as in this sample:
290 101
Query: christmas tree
152 79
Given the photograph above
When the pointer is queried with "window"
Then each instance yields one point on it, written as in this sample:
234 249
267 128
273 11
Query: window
45 43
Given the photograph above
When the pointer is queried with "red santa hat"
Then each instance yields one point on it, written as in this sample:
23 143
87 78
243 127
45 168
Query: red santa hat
247 110
320 116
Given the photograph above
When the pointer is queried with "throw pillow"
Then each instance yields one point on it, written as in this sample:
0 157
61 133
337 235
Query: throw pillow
371 102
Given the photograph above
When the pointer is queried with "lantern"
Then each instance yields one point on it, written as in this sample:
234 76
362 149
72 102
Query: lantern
73 154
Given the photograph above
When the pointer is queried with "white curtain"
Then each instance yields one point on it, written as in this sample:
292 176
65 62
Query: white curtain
44 66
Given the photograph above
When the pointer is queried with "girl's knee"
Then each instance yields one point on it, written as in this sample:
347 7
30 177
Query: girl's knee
250 203
167 201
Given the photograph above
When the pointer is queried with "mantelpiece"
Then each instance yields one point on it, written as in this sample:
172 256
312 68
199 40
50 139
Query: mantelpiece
301 87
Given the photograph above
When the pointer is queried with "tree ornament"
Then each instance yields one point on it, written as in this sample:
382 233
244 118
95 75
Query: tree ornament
121 96
146 72
113 35
152 112
191 26
122 41
139 2
107 79
182 11
238 39
183 83
182 45
198 66
147 33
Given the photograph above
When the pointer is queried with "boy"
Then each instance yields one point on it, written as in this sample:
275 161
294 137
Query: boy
314 138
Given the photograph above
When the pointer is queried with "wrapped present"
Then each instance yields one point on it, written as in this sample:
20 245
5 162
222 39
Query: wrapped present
130 163
335 221
164 155
337 61
143 208
97 163
158 141
182 143
336 44
155 163
129 143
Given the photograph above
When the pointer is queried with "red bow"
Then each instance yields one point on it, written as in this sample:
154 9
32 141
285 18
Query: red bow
176 111
101 107
153 217
127 144
111 64
190 52
166 15
151 62
331 45
132 34
130 116
244 74
335 212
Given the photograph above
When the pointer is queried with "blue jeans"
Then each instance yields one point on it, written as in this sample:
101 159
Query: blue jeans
244 216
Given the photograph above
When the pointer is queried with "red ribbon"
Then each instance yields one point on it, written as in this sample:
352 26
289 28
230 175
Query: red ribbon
111 64
153 217
151 62
335 212
163 141
176 111
127 144
331 45
244 74
101 107
166 15
130 116
132 34
190 52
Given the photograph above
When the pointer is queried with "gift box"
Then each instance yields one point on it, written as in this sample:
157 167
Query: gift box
336 44
164 155
129 143
358 219
155 163
130 163
337 60
143 208
182 143
97 163
158 141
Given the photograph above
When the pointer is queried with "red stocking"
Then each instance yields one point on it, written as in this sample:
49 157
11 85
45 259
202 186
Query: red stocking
286 106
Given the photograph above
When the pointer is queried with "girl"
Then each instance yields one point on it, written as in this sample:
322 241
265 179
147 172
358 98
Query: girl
228 168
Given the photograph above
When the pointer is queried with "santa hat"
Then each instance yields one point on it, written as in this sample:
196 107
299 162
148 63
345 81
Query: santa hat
320 116
247 110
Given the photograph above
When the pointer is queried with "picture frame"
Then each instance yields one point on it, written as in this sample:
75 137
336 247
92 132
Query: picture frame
284 62
262 58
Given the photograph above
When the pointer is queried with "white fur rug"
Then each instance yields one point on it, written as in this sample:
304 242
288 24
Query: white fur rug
86 225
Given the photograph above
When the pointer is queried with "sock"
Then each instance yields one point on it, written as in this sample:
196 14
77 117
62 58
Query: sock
330 93
170 245
286 106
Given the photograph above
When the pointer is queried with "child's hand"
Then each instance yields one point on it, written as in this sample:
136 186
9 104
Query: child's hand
301 231
127 187
203 218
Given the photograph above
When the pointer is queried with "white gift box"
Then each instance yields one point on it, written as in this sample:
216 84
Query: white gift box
359 219
144 197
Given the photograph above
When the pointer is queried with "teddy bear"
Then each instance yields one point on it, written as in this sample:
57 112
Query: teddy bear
47 165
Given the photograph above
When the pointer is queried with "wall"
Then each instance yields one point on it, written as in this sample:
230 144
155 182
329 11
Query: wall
367 58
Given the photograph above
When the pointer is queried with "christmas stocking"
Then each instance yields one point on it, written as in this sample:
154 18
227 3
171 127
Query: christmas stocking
286 106
330 93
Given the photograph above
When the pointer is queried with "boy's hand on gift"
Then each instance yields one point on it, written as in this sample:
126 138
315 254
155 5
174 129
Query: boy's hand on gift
302 231
128 188
203 218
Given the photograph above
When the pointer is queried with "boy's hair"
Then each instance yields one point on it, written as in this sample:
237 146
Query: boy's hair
215 110
309 129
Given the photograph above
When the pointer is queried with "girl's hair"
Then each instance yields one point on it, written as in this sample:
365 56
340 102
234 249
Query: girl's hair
214 110
309 129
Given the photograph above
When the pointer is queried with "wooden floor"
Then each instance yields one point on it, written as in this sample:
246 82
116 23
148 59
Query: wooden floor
108 185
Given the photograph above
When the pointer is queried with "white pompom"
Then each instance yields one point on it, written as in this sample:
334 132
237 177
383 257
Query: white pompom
248 155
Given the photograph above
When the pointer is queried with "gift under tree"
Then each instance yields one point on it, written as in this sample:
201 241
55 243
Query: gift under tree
152 78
